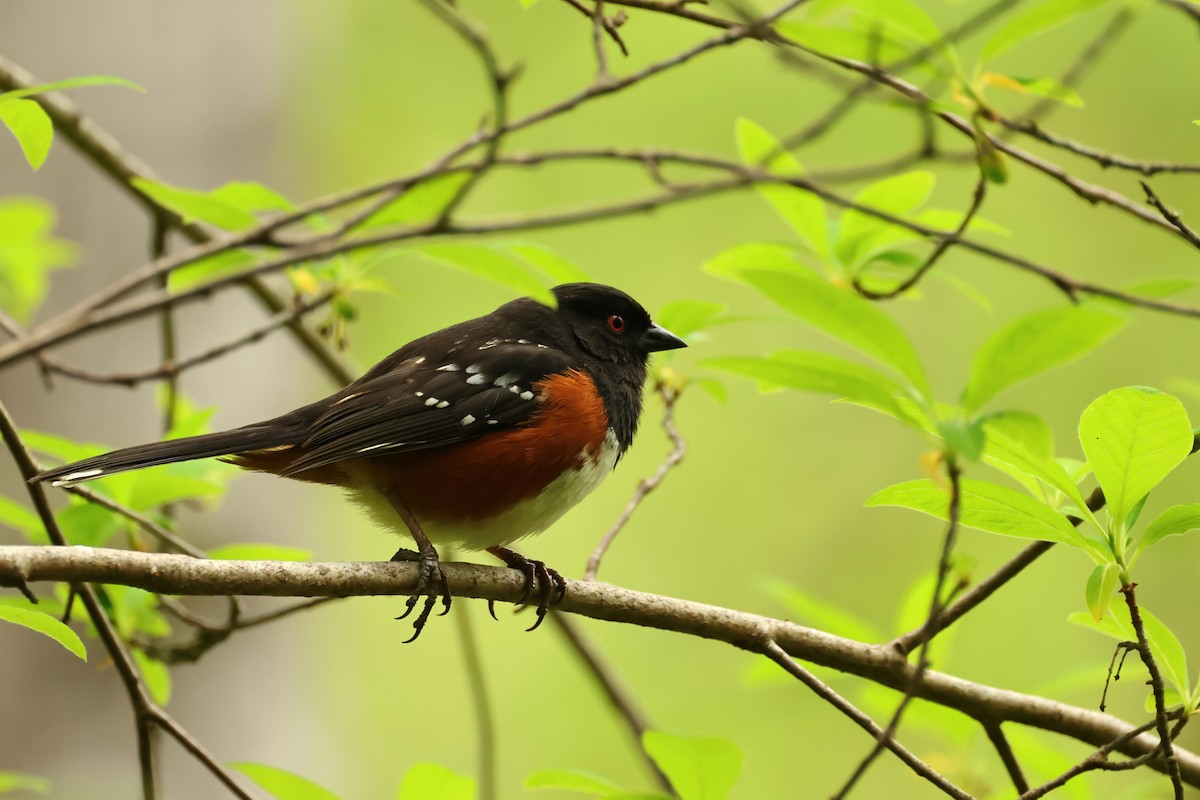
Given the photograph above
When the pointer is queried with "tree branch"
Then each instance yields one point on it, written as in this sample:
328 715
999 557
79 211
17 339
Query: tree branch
176 574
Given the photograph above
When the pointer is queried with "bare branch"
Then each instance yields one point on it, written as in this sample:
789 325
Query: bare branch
1157 687
913 687
822 690
617 694
147 712
996 736
1171 216
177 574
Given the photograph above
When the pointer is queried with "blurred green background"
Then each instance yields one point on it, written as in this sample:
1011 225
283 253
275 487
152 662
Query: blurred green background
312 97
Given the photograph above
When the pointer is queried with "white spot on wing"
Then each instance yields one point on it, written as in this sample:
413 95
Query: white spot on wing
474 369
515 389
419 360
371 447
349 397
526 395
443 404
449 368
477 380
468 419
420 394
493 421
431 401
507 378
74 477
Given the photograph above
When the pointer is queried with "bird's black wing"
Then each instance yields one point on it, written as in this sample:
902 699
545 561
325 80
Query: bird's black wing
421 404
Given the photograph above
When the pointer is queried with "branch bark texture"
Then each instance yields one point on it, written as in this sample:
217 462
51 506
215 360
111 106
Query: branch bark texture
183 575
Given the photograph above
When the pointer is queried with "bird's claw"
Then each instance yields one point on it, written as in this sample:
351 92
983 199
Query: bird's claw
430 578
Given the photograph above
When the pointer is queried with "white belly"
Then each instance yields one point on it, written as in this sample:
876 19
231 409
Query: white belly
518 521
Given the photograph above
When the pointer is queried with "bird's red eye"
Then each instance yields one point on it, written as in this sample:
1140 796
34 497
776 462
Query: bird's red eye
617 323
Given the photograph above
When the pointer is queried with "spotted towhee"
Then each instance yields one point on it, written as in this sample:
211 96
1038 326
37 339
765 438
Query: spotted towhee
476 435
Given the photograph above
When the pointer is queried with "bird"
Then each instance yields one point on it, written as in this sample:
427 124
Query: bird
474 436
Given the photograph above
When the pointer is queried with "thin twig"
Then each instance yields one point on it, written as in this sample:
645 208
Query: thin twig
618 695
1157 688
147 712
100 148
1171 216
1098 760
173 369
774 652
940 250
646 485
1105 159
987 587
996 736
485 727
936 605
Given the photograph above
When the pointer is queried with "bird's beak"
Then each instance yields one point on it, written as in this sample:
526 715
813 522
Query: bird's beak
659 338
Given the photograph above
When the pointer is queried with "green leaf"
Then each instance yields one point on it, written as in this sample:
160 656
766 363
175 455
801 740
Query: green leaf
156 488
421 203
822 614
903 16
1034 343
70 83
551 264
711 387
853 320
1164 645
986 507
20 518
251 551
156 676
700 768
860 45
87 524
685 317
492 264
817 372
1034 21
13 781
1173 521
1024 442
251 196
803 211
860 235
135 611
28 253
1167 650
45 624
734 262
281 784
1101 586
1133 437
963 436
435 782
219 265
60 447
1171 699
196 206
1041 87
571 781
32 128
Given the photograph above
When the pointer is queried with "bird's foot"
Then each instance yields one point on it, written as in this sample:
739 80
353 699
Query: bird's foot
432 578
551 586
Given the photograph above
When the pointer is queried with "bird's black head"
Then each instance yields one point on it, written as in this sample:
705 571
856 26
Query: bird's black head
616 333
610 325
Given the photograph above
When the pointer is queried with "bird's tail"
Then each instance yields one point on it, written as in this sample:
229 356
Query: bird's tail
261 436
